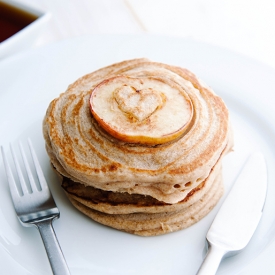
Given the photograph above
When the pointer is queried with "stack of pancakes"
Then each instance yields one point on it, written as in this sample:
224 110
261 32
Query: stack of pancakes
139 146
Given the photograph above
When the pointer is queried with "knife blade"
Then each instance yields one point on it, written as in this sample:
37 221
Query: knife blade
239 215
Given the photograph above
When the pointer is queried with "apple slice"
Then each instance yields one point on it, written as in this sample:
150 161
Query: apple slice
141 110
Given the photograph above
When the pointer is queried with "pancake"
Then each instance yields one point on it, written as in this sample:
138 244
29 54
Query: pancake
152 224
124 203
139 142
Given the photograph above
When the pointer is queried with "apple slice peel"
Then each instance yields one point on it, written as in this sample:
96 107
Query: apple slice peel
141 110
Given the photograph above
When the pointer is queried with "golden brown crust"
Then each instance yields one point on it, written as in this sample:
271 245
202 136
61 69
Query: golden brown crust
124 203
81 150
123 162
152 224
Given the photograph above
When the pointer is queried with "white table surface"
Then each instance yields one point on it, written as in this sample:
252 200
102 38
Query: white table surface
244 26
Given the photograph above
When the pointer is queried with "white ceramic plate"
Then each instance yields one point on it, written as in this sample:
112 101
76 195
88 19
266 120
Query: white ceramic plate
31 80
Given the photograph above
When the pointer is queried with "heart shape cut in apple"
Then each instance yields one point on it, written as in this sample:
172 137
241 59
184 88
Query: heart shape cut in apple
139 104
141 110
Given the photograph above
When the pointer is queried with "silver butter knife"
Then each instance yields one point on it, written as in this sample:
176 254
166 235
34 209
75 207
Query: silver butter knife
238 216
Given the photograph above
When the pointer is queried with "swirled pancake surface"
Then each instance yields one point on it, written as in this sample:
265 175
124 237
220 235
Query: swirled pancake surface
84 151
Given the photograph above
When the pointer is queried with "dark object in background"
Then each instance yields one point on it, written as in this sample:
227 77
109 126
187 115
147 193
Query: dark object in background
12 20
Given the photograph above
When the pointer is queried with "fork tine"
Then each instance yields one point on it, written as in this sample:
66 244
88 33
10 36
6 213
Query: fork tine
28 170
13 187
40 175
19 172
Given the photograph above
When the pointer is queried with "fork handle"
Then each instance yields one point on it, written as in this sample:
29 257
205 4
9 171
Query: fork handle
54 252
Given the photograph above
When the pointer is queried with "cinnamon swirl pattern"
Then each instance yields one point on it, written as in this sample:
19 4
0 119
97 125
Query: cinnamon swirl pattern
139 145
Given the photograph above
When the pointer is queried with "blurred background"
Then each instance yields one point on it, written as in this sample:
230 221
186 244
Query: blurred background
244 26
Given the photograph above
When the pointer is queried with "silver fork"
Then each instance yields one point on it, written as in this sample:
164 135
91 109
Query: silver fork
36 207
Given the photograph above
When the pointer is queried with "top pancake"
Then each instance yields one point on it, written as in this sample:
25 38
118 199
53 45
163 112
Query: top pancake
80 149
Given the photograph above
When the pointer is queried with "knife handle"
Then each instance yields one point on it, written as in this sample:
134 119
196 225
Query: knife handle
212 260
